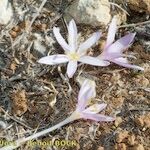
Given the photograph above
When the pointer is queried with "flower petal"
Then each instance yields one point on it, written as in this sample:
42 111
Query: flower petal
86 92
120 45
95 61
89 42
94 109
111 32
61 40
71 68
72 38
108 56
53 59
97 117
123 62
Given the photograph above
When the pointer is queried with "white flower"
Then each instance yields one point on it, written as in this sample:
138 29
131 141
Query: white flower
74 52
113 51
86 93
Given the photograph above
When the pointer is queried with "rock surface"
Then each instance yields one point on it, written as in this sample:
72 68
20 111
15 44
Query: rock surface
6 12
93 12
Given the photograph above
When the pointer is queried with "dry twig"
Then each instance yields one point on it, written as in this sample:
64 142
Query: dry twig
135 24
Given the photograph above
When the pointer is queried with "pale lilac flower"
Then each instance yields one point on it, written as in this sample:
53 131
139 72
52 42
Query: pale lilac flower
113 52
74 52
87 92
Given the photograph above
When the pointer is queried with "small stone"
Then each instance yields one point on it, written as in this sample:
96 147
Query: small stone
16 29
100 148
93 12
117 102
43 26
146 119
115 77
52 14
139 121
146 67
121 136
19 102
118 121
143 121
120 146
142 81
13 66
138 147
13 34
131 140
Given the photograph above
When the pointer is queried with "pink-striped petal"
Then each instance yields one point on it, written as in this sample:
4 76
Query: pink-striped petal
120 45
88 43
95 108
111 32
97 117
71 68
86 92
72 38
53 59
95 61
60 39
123 62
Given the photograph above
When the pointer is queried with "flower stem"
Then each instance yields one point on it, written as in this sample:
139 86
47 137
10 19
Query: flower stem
21 141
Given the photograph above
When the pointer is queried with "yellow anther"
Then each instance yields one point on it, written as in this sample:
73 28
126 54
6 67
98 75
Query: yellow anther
95 109
73 56
76 115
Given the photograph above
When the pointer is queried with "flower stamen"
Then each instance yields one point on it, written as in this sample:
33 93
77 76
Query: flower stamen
73 56
94 109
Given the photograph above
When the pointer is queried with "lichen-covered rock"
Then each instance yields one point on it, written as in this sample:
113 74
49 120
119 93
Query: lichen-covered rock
6 11
93 12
